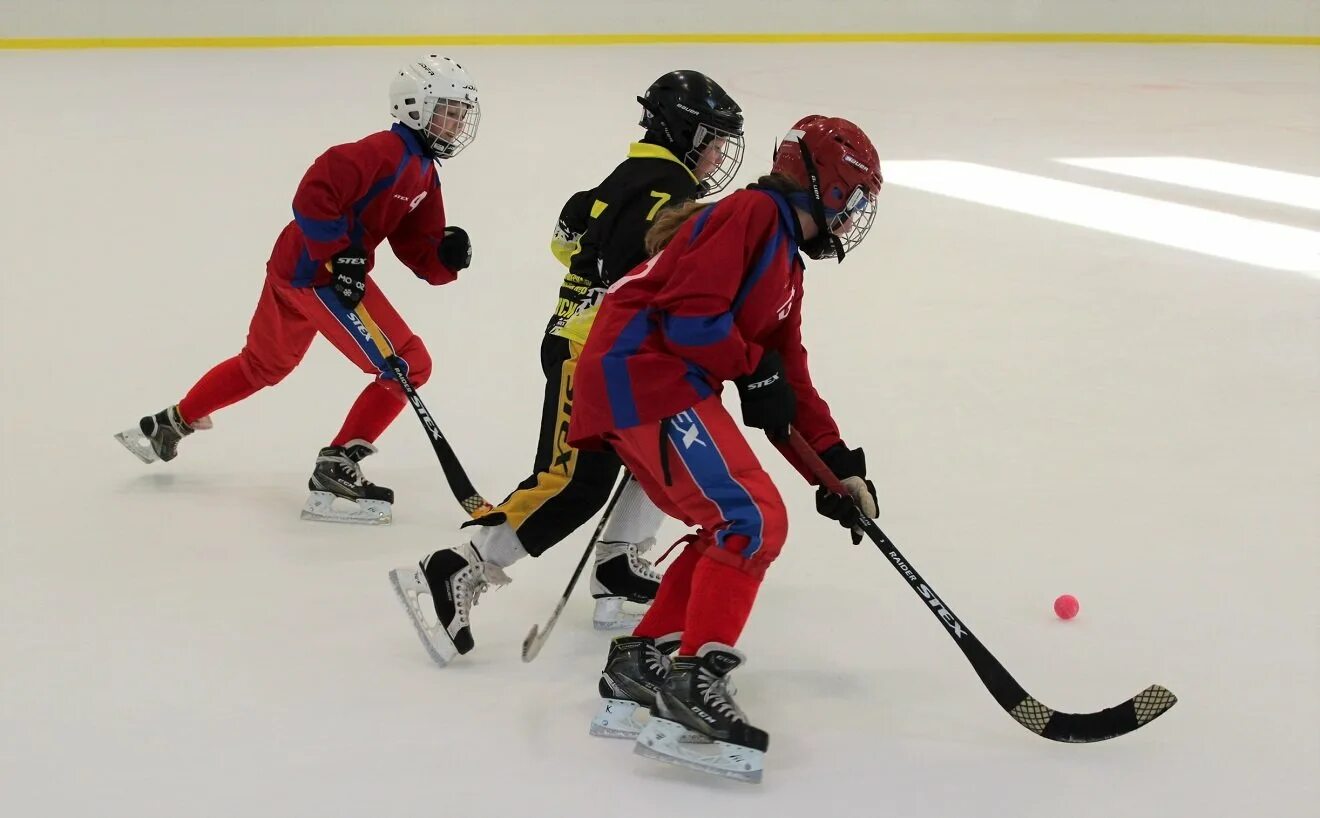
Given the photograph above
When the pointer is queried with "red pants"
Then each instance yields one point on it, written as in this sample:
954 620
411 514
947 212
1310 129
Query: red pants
704 473
286 320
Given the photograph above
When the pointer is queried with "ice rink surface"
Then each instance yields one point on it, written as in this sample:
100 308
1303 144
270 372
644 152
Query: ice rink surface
1047 408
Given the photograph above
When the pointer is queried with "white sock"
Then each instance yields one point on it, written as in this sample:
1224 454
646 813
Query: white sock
498 545
635 517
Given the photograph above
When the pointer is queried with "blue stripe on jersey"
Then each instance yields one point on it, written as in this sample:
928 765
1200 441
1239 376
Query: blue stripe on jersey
322 230
702 218
614 364
355 233
305 270
697 330
697 379
710 471
787 221
767 256
412 143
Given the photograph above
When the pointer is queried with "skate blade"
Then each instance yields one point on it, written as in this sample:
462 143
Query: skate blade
410 586
611 615
138 444
663 740
619 718
321 507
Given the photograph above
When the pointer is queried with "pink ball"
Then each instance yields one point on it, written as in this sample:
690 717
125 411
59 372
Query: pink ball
1066 606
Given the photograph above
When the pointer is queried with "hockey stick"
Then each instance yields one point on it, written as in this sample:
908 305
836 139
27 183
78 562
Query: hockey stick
472 502
1043 721
536 638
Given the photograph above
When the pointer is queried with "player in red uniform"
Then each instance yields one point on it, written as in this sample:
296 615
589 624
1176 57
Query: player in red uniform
721 302
354 196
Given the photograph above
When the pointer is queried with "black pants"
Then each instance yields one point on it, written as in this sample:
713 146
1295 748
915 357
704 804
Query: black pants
567 487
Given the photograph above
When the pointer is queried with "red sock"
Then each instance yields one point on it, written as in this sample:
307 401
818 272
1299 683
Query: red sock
666 614
225 384
374 410
721 601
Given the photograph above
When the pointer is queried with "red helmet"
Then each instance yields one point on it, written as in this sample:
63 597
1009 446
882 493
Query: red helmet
847 179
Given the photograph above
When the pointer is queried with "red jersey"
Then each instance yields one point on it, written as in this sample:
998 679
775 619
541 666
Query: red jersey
360 194
701 312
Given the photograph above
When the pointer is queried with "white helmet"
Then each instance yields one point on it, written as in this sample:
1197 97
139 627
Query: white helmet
435 97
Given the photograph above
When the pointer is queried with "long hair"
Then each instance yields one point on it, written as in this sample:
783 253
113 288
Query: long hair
672 218
667 224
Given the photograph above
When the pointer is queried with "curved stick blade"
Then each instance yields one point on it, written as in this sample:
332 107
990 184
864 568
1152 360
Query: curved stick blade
1083 728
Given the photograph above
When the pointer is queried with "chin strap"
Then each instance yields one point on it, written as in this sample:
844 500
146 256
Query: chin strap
825 240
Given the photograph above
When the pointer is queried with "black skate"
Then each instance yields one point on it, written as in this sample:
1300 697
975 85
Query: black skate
622 576
695 699
453 579
634 671
338 476
157 436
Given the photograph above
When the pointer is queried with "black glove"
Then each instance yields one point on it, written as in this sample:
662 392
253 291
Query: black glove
849 465
456 249
348 270
768 401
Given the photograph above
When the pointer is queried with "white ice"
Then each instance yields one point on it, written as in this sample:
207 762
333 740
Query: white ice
1047 409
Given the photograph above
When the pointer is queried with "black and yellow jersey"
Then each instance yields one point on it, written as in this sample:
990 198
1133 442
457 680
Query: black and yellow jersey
600 231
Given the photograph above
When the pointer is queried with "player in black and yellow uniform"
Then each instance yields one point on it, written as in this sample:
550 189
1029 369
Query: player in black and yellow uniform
693 146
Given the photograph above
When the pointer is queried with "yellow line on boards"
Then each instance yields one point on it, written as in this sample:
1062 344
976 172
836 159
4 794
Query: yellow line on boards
49 43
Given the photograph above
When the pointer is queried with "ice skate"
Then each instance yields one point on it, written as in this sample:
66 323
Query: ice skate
694 704
156 437
339 494
439 593
621 582
634 671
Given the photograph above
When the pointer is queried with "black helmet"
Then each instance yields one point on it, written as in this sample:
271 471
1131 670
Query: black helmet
691 115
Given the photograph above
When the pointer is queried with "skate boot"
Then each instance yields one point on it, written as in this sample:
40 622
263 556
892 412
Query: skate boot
453 579
634 670
338 476
622 576
157 436
694 699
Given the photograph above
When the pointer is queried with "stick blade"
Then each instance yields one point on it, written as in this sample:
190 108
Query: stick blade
531 645
1084 728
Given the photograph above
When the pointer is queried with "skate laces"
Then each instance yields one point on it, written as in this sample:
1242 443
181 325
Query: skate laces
714 690
655 660
343 468
635 561
476 579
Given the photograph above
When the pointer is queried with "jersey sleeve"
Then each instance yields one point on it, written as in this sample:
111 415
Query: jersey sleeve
337 178
567 239
814 421
625 247
697 301
416 241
